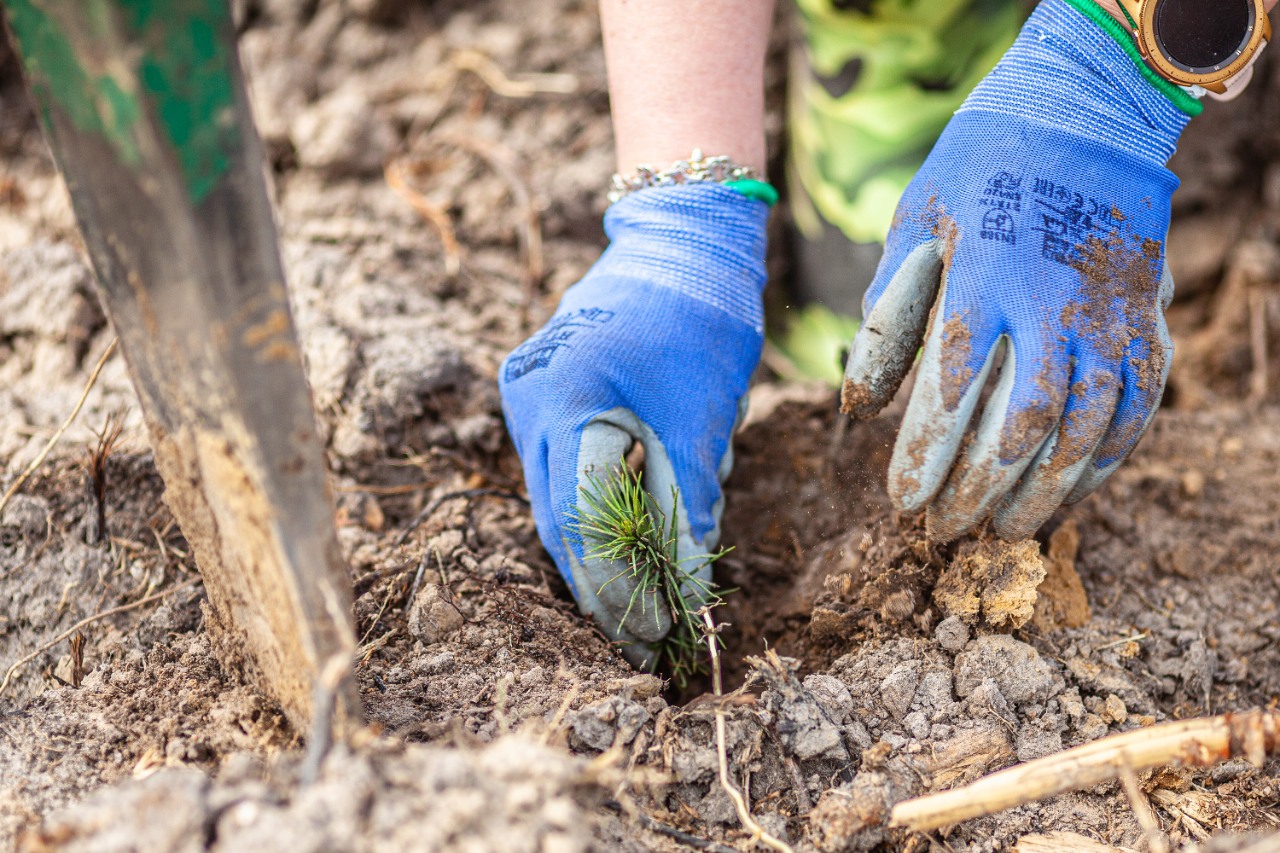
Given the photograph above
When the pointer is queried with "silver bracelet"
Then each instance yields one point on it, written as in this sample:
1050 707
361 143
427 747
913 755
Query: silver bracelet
696 170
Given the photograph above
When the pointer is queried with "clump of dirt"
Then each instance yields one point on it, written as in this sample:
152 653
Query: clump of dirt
1061 601
515 794
994 581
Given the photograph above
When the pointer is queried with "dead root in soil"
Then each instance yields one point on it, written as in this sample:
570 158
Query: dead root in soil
396 174
758 832
1201 742
44 452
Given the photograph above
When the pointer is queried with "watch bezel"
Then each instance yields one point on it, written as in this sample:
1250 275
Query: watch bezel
1214 80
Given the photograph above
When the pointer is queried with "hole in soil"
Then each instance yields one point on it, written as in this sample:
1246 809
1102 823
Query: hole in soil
797 504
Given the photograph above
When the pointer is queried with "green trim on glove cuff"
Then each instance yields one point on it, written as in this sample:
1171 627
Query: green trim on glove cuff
758 190
1175 93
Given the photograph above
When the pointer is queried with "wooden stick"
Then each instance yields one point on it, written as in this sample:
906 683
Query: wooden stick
1201 742
39 460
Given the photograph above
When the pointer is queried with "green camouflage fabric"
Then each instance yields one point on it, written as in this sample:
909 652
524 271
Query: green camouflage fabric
875 82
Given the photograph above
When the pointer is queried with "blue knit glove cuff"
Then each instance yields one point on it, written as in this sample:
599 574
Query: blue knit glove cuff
1065 71
662 235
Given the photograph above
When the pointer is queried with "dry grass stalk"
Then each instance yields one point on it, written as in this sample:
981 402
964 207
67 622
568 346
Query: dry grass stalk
88 620
325 701
758 832
1063 842
437 216
501 160
496 79
77 659
98 456
1200 742
44 452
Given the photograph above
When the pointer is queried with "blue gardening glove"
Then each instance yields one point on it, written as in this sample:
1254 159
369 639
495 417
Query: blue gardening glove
1034 230
655 345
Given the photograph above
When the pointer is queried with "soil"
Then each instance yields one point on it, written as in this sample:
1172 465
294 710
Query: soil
869 664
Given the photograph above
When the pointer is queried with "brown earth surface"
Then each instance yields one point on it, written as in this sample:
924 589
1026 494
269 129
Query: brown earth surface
499 719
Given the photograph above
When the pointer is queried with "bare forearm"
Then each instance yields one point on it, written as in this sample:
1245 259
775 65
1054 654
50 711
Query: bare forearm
681 79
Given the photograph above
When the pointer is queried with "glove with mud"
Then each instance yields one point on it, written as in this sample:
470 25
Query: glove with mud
655 345
1034 230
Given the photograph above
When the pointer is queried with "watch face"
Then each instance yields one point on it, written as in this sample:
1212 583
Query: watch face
1202 36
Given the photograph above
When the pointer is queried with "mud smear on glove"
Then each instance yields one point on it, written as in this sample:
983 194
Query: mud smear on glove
1027 428
963 489
866 399
1120 305
956 356
1078 432
1081 426
969 486
861 400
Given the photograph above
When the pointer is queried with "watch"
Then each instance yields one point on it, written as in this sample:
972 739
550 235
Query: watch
1206 46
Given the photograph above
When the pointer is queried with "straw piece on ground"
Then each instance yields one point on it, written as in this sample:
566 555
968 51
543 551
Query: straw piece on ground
1062 842
495 78
1156 841
394 174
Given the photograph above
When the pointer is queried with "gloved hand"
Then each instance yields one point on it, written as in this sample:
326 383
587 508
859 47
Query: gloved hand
656 345
1034 229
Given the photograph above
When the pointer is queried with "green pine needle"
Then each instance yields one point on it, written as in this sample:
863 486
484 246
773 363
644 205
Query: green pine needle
621 522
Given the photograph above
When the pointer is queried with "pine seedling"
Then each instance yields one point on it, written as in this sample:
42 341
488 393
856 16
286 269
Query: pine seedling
621 522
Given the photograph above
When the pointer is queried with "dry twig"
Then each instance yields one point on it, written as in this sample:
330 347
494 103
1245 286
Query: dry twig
1201 742
496 79
437 216
450 496
39 460
1156 841
88 620
758 832
402 489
